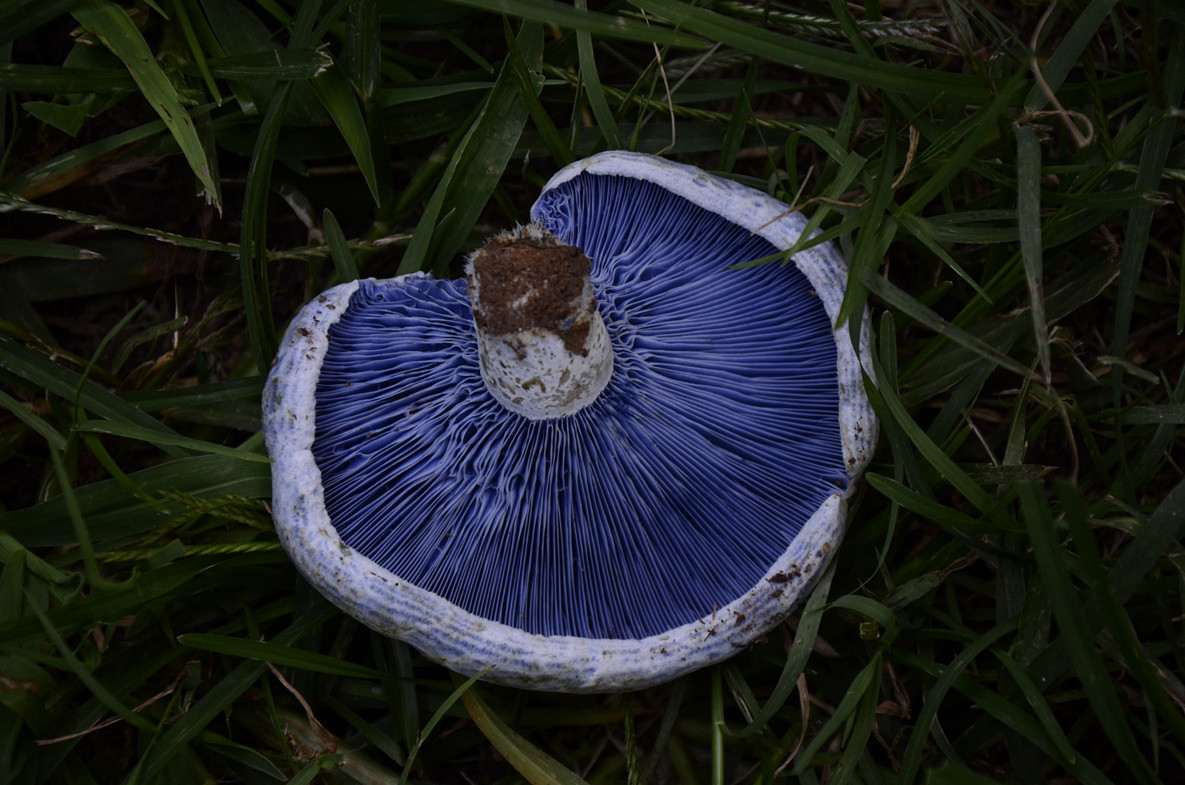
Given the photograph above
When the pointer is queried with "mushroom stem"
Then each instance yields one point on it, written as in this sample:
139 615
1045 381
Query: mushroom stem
545 352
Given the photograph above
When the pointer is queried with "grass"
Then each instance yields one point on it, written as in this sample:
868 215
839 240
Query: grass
1005 179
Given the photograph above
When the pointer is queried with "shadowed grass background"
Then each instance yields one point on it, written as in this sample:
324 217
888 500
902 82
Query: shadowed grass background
177 177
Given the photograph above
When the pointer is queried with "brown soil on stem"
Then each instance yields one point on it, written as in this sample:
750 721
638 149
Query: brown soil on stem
527 285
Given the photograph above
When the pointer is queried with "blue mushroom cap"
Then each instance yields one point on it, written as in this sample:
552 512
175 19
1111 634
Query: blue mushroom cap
704 488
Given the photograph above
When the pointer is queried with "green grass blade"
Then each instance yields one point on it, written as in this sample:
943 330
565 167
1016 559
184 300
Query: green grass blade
980 129
395 96
808 628
911 760
119 33
339 249
475 167
277 654
334 93
742 111
82 536
198 395
816 58
593 89
1058 66
43 429
253 258
42 372
47 176
303 24
401 695
935 511
665 728
195 49
241 753
923 229
154 436
88 680
113 513
717 727
1028 219
434 720
530 82
54 79
86 612
606 25
1170 414
1010 715
877 231
173 742
374 735
1152 540
856 738
911 307
1038 704
19 18
1117 621
1068 609
12 578
64 585
362 46
867 680
536 766
271 64
1153 157
45 250
929 450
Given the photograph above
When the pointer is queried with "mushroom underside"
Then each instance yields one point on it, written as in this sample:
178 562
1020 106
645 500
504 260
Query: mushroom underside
671 494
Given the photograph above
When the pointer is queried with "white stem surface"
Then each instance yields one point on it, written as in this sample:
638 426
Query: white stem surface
553 365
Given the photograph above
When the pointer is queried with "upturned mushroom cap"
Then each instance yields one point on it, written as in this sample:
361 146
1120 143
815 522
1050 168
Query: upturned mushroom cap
663 526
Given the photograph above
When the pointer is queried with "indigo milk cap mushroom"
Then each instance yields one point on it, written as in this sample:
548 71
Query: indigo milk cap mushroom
605 458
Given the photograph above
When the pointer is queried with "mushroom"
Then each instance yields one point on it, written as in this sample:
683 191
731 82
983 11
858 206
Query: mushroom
611 455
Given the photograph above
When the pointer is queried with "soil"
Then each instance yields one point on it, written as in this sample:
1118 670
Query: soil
528 285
